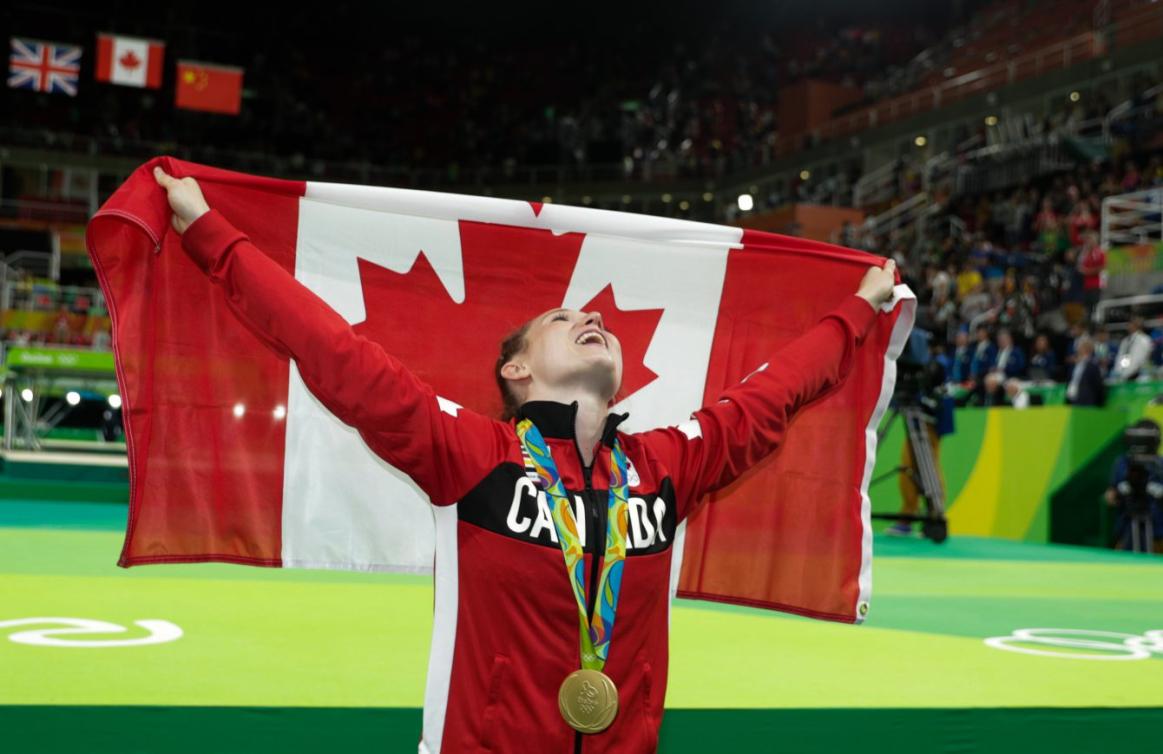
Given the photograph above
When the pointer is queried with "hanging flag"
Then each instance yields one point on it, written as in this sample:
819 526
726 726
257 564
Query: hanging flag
44 66
232 458
130 61
208 86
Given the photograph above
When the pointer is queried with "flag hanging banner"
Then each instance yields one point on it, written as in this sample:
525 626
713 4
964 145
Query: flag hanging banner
210 87
233 459
130 61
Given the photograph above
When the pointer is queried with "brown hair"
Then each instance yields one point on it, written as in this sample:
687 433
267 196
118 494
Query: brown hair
513 344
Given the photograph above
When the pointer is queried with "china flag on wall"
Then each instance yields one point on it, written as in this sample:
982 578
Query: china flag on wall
233 459
130 61
208 86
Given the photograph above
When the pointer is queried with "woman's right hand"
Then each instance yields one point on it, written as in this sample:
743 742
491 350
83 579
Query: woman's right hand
185 198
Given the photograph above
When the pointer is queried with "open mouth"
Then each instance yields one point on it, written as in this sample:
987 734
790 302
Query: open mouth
591 337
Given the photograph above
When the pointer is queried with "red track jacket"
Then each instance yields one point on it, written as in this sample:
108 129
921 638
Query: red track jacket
505 630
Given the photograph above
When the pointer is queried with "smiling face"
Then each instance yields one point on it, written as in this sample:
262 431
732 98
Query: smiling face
566 350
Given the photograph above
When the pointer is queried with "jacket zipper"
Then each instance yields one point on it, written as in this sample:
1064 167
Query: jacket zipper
595 523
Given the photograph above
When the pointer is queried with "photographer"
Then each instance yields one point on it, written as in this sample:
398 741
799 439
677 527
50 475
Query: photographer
1136 490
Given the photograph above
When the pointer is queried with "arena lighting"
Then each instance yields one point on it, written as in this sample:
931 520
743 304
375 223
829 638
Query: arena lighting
1075 96
746 202
280 412
805 175
708 196
26 394
114 401
547 200
238 410
666 198
625 198
684 205
72 397
920 141
587 200
991 120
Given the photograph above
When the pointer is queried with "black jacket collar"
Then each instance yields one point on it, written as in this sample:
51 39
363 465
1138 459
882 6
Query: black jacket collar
555 419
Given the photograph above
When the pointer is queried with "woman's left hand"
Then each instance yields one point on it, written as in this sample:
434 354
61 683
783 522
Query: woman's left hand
876 287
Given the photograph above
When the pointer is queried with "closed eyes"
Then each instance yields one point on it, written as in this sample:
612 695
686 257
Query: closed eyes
565 316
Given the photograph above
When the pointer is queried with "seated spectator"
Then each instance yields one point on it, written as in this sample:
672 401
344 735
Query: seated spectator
961 368
975 303
985 258
1082 220
1016 394
940 283
62 327
1072 294
102 340
992 393
1086 386
1077 330
1131 178
1104 350
1134 353
943 314
1010 361
984 354
967 280
1043 362
1049 229
1016 318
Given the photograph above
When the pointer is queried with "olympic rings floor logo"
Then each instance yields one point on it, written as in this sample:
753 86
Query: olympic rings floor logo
61 631
1081 644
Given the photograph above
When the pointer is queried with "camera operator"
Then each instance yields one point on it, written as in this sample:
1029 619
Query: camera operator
1136 490
920 383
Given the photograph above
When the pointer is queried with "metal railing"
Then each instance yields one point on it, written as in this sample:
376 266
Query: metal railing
39 295
1132 218
1115 313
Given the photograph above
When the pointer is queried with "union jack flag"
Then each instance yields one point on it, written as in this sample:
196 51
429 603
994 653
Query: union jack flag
44 66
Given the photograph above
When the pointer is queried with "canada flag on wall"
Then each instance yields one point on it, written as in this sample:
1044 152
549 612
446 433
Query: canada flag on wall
130 61
233 459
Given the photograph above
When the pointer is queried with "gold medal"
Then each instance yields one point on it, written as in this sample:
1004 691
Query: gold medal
588 700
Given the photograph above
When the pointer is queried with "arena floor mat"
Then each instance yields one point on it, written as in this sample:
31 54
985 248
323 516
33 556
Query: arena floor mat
975 645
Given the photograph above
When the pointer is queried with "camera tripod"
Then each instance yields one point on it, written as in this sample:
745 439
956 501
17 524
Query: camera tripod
925 476
1142 532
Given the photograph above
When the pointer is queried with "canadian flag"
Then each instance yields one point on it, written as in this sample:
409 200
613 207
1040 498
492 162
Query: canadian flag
438 279
130 61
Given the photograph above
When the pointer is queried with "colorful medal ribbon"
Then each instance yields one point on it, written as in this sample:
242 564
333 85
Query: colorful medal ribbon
596 632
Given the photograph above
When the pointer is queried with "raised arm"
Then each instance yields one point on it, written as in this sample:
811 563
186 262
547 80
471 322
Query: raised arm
749 420
444 448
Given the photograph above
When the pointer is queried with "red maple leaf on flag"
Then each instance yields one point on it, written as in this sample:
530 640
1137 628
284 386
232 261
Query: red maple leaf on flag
510 275
129 60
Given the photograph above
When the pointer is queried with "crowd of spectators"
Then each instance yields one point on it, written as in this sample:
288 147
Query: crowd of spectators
644 96
1010 296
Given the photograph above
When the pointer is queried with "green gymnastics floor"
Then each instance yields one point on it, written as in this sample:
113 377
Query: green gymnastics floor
304 661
